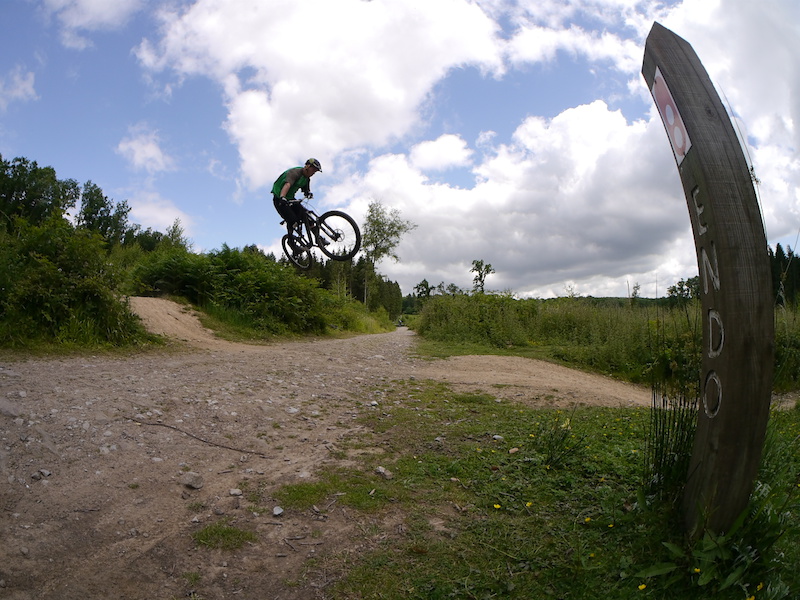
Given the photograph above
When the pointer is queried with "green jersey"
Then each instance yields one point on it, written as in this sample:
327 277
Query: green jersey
296 180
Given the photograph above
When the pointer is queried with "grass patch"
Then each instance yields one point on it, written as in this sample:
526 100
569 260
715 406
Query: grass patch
221 535
353 488
192 578
499 500
196 507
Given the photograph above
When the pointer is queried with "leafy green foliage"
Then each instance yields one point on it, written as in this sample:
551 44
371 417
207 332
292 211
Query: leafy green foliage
57 286
787 347
33 192
740 559
383 230
249 289
494 320
482 271
640 342
98 213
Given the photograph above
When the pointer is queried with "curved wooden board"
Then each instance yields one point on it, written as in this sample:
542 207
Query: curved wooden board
732 257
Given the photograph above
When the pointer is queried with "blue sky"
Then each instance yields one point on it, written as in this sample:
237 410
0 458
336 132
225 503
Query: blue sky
516 132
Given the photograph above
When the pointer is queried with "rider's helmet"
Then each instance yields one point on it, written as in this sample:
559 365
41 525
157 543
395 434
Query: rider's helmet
313 162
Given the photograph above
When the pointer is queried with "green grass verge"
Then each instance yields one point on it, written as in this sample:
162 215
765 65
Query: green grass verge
499 500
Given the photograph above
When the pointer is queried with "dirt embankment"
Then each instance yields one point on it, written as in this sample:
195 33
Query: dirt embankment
95 452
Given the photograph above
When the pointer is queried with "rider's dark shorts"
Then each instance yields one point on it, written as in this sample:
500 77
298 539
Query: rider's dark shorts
291 213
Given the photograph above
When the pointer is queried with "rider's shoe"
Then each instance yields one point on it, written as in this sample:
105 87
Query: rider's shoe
323 242
299 247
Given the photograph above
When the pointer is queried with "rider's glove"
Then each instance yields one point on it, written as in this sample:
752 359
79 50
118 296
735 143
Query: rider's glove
309 195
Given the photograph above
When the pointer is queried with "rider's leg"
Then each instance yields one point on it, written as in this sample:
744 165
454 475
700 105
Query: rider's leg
289 214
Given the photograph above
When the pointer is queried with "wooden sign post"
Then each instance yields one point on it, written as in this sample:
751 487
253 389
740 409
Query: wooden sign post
736 288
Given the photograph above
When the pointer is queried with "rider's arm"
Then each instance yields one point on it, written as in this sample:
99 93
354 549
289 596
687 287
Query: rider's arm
292 175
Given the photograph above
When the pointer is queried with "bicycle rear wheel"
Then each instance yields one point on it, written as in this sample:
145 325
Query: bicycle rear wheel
292 248
339 237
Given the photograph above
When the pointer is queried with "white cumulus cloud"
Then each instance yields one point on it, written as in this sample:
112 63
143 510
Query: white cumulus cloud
17 86
151 210
79 16
142 149
442 153
296 86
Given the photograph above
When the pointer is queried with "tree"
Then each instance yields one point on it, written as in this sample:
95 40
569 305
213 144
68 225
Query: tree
383 230
148 239
98 213
453 289
482 271
175 236
634 299
685 290
423 289
33 192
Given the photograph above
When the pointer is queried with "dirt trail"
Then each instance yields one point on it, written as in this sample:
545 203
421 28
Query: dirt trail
96 449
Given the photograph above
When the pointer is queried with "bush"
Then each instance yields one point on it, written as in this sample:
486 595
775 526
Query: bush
494 320
250 290
57 286
641 342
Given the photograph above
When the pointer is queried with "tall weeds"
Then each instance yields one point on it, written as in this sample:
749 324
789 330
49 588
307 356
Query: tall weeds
635 342
673 422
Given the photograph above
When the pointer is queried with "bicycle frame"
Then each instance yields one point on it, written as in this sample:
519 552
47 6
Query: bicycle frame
334 233
311 221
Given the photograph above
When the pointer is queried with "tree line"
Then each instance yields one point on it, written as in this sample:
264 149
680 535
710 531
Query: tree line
784 268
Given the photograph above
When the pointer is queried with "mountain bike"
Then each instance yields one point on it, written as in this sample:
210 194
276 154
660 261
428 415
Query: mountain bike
334 232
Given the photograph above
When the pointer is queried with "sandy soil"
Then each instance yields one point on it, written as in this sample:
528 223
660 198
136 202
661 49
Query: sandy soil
97 451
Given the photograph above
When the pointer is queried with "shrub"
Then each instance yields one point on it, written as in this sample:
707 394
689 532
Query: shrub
58 286
494 320
250 290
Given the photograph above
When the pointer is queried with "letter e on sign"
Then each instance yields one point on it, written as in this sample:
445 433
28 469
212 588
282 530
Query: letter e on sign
676 130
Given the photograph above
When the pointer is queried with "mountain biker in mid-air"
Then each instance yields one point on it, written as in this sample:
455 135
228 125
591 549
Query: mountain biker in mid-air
334 233
285 187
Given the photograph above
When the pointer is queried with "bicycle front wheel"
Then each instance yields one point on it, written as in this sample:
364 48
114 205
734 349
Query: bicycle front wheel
339 237
293 249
